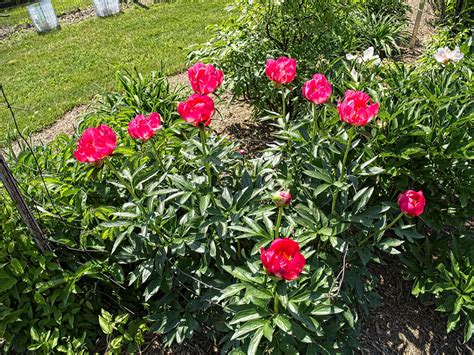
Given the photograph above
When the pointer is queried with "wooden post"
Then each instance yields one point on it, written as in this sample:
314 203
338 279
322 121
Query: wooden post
25 212
421 7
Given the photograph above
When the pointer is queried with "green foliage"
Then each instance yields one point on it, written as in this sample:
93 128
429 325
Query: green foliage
441 267
168 232
262 29
45 305
386 33
181 251
317 33
397 8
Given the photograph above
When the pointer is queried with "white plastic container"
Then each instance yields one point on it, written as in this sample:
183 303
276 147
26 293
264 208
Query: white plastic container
105 8
43 16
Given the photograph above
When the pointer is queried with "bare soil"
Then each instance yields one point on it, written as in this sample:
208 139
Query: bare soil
425 31
401 324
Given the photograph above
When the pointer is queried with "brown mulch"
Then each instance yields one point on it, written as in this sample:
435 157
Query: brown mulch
401 324
425 31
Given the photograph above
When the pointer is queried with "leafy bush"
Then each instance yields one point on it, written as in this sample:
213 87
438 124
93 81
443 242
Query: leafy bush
398 8
424 141
186 243
315 32
384 32
441 267
45 305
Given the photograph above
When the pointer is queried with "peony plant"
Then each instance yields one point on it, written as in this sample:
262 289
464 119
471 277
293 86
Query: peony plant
189 249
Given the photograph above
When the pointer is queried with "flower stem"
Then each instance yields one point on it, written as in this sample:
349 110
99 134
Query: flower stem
278 223
283 98
315 121
157 154
384 229
283 110
275 301
203 136
350 132
117 174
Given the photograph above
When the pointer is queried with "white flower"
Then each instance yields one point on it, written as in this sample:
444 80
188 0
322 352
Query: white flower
445 55
354 75
367 57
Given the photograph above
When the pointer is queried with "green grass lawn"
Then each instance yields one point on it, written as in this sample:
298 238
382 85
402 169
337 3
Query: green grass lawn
19 14
47 75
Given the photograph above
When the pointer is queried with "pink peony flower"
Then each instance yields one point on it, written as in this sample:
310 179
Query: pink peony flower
283 259
282 198
317 90
205 79
412 203
95 144
282 70
357 108
197 110
143 128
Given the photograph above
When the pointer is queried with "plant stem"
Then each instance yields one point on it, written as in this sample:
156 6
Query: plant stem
117 174
350 132
394 221
384 229
283 98
315 122
203 136
278 223
283 110
157 154
275 301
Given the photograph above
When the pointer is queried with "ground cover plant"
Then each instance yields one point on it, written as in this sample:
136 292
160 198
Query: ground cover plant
69 67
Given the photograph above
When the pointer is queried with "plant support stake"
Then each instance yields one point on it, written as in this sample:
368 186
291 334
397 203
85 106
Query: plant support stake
421 7
25 212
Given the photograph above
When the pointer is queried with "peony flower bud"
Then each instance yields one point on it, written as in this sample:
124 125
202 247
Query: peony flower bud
283 259
282 198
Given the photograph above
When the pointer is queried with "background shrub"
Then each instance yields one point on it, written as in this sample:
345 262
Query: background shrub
317 33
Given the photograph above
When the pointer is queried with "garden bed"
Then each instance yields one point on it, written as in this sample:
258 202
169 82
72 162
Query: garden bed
184 221
401 323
